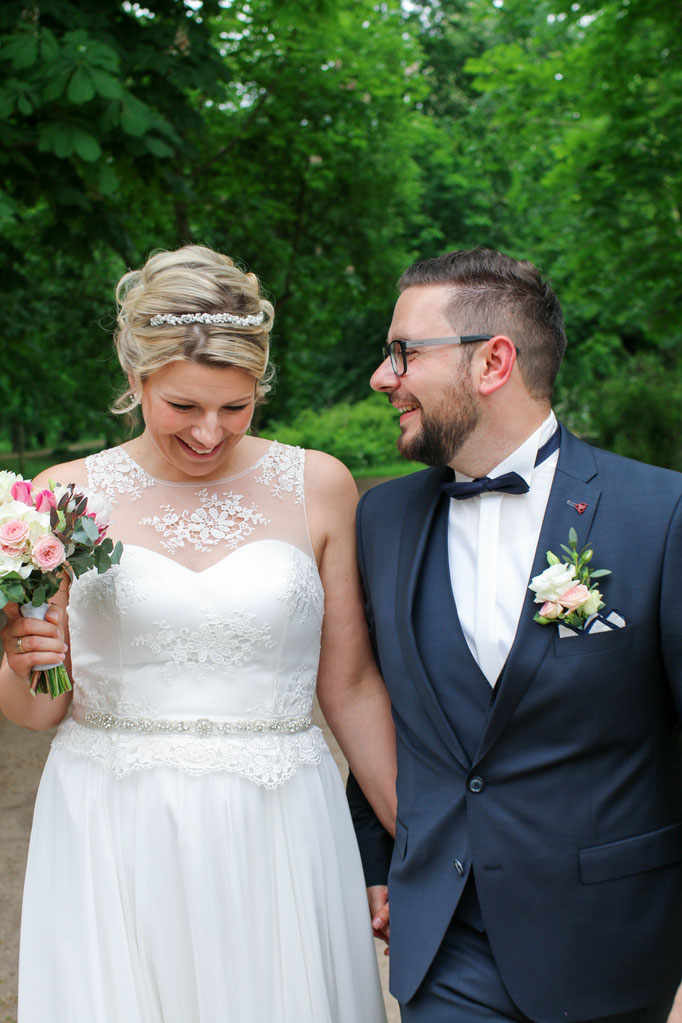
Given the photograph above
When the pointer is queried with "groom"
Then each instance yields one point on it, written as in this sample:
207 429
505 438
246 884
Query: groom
537 865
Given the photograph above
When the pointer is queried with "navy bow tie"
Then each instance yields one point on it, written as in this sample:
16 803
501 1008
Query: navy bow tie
508 483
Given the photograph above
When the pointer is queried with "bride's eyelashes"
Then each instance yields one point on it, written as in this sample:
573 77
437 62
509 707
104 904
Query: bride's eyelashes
190 408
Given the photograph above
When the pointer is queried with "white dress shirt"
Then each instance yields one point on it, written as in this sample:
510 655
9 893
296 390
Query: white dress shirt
492 540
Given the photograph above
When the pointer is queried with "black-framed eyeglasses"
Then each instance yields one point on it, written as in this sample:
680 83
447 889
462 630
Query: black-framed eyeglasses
396 351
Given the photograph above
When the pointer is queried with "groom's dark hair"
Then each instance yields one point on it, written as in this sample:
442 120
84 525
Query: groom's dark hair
495 294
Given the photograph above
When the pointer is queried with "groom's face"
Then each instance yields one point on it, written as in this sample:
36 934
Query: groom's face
435 398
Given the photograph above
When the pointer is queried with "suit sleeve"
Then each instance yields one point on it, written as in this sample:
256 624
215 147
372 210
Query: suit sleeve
375 843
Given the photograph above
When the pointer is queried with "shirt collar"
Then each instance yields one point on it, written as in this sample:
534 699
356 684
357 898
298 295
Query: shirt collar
522 460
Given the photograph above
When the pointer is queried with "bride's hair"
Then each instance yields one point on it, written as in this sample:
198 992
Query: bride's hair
191 280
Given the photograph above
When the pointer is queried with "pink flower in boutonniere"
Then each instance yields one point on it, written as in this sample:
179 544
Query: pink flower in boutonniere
565 589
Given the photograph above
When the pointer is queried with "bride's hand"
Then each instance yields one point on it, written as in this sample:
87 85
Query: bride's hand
377 896
30 643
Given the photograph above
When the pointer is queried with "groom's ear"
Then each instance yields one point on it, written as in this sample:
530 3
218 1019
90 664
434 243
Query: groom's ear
495 361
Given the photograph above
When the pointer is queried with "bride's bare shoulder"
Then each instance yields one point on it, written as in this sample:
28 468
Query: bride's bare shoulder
328 479
64 473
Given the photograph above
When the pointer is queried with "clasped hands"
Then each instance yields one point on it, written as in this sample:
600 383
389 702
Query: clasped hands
377 896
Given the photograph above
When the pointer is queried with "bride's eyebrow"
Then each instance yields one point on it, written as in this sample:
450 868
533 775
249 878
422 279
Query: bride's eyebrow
185 400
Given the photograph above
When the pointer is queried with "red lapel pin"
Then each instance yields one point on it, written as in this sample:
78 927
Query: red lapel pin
580 507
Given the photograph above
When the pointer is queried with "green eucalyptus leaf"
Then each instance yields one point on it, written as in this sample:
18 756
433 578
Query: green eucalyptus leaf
14 591
599 573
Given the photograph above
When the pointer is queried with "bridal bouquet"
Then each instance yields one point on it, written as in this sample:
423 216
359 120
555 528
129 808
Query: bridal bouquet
44 535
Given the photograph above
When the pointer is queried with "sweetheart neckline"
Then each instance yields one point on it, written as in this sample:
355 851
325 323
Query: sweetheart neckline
203 571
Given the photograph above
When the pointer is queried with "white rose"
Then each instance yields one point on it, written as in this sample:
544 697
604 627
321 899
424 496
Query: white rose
551 583
7 481
8 564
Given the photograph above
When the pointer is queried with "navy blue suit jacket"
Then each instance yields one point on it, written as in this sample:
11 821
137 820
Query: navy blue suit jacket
573 827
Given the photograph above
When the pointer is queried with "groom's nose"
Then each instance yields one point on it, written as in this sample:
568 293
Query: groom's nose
383 378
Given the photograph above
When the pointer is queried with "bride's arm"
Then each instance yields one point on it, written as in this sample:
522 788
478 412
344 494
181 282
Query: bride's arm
350 689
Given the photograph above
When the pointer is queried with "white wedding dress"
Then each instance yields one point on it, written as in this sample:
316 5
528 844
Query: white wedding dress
192 858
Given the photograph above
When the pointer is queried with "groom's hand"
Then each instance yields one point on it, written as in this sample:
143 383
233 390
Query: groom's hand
377 896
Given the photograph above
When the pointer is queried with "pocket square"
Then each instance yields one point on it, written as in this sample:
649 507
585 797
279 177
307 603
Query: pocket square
595 623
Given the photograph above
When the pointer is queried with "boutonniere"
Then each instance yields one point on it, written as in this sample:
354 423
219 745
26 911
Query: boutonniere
566 589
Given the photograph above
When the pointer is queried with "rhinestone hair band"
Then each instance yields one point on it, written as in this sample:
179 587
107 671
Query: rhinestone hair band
254 320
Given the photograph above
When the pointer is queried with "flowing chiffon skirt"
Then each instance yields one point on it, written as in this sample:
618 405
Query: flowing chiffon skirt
161 897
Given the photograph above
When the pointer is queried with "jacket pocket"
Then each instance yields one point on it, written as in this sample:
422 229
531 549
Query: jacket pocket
400 838
593 642
631 855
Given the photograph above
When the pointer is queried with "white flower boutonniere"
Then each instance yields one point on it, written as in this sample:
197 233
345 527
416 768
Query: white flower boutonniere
566 589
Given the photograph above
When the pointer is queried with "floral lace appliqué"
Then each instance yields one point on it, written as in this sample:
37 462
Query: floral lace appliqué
221 519
104 692
303 589
281 469
216 644
295 695
113 473
109 594
267 760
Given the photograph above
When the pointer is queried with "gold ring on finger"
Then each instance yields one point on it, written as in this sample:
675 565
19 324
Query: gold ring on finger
20 646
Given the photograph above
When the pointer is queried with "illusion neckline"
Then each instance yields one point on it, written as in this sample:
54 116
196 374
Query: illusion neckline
198 484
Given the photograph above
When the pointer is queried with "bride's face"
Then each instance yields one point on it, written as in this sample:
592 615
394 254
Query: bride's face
194 416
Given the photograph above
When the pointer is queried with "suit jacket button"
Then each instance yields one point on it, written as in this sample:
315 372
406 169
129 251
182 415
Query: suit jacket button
459 868
476 784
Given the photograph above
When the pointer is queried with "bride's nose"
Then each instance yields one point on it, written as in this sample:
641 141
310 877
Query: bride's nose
207 432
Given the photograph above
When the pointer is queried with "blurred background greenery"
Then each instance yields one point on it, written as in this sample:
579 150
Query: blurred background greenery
325 144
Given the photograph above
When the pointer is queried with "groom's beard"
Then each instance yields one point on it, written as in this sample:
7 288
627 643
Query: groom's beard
444 431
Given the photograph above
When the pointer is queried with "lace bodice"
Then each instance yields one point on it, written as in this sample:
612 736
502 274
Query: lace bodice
213 615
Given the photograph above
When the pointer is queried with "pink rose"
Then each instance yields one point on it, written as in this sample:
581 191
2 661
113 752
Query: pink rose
575 597
13 536
550 609
45 500
22 491
48 552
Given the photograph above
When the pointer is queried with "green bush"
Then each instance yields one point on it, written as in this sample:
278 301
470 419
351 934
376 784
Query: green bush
638 412
363 435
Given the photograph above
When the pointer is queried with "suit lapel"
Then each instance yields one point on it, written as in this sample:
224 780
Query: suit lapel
574 482
417 523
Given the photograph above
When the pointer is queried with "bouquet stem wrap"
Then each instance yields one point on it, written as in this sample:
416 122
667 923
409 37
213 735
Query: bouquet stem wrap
49 678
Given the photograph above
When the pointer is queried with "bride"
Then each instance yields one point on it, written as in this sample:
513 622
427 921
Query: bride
192 858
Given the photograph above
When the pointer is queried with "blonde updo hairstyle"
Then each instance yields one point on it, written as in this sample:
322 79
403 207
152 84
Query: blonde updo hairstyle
192 279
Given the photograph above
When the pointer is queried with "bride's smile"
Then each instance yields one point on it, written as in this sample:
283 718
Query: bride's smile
195 415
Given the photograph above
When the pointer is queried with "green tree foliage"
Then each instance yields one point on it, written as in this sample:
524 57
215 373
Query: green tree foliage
325 145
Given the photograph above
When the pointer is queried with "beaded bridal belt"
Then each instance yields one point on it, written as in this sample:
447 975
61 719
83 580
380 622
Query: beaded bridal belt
190 726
